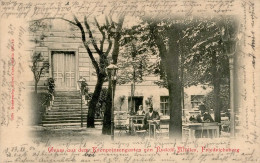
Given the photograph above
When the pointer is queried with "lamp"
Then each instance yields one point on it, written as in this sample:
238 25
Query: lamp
112 70
80 81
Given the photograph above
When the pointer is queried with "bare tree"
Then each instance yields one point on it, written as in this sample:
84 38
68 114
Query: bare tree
110 32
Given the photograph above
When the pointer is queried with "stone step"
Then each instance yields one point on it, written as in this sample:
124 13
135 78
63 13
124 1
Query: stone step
63 121
65 118
66 115
53 122
71 126
66 97
66 105
64 124
67 108
56 108
66 94
74 101
69 105
71 91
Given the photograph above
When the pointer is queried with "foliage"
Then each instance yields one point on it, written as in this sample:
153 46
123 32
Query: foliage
149 101
38 65
102 97
51 88
205 51
84 88
137 58
38 107
224 96
121 100
51 85
101 100
200 37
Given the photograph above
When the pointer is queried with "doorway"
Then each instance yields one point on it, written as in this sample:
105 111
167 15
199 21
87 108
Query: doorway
63 70
134 103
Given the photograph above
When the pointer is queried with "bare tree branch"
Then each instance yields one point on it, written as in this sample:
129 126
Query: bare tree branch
107 22
117 39
57 18
112 23
103 35
94 62
109 46
108 37
40 73
91 36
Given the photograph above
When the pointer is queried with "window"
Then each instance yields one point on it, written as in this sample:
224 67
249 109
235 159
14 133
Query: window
164 105
196 100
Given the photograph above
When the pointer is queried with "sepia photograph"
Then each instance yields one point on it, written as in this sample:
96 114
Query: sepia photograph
129 81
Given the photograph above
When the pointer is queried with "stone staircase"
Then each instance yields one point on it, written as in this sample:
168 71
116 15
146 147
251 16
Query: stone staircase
66 111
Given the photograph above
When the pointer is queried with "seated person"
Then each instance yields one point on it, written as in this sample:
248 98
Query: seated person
140 110
207 117
151 115
192 118
197 119
203 117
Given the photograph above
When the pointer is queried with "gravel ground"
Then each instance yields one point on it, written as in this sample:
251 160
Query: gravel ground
89 134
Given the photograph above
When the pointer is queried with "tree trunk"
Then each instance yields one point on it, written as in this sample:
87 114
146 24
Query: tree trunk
217 101
170 60
35 86
175 128
216 84
93 102
174 84
107 113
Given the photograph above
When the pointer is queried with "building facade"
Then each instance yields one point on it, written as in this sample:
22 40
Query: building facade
61 46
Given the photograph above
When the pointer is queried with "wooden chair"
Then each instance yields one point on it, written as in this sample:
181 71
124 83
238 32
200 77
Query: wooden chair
121 123
225 125
163 129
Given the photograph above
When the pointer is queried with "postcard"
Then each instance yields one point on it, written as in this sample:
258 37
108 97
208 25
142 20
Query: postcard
129 81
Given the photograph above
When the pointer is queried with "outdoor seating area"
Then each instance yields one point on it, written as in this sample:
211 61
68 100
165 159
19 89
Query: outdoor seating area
134 125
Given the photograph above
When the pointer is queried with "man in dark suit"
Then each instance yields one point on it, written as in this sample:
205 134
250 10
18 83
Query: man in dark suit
151 115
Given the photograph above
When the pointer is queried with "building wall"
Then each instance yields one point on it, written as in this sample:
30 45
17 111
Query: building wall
61 38
148 89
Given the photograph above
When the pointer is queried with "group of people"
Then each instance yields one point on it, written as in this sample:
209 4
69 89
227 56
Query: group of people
204 116
150 115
